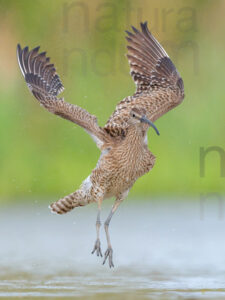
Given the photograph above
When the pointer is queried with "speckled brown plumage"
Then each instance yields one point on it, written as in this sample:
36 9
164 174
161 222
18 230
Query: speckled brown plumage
123 140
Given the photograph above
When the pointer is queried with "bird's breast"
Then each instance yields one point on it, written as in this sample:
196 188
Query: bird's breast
119 168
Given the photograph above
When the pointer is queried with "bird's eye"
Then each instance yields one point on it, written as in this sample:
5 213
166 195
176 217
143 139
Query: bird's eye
133 115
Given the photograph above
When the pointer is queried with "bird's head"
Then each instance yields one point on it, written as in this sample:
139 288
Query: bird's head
138 118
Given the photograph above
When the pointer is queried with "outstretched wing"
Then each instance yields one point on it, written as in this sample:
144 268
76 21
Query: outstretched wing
159 87
45 85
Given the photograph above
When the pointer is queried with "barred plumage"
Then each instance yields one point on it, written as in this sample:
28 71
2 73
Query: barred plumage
159 87
45 84
123 140
69 202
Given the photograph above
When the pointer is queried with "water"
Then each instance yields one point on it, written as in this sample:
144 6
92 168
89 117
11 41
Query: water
162 250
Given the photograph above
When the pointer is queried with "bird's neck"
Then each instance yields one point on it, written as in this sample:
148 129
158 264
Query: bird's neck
132 147
135 135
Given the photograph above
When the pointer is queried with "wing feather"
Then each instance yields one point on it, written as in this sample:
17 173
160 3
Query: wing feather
159 87
45 84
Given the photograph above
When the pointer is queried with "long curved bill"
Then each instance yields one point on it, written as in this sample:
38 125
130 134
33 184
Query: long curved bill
145 120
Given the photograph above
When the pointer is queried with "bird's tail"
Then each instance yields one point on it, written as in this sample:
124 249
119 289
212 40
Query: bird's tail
69 202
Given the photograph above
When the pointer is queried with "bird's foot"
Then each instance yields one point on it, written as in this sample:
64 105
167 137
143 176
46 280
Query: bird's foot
109 254
97 248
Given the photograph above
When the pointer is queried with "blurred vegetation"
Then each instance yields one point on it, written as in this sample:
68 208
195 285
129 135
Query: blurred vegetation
42 155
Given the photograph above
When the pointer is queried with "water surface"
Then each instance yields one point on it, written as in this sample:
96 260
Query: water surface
162 250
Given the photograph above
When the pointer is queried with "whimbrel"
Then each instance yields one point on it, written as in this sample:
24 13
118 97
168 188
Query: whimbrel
123 140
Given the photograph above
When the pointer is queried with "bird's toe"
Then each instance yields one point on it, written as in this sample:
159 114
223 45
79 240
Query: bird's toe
109 255
97 248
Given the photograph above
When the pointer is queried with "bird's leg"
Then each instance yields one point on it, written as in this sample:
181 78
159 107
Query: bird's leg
109 251
97 246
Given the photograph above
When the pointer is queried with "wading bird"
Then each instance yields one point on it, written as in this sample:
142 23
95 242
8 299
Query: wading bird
123 140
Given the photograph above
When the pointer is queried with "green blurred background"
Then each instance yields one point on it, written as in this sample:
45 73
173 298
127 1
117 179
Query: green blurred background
44 156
